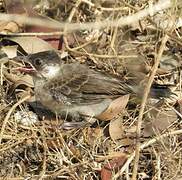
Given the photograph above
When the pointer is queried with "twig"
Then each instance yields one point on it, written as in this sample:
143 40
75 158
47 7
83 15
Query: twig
69 21
103 56
158 167
9 114
18 142
54 33
144 100
144 145
87 26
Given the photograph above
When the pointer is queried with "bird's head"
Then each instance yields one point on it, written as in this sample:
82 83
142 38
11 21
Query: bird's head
44 64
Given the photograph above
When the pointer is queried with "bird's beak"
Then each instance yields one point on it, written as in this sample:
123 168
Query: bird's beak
25 65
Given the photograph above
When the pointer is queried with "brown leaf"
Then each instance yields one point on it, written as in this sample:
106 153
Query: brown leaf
113 165
116 129
18 7
10 26
160 121
25 80
115 108
13 7
137 65
31 44
92 134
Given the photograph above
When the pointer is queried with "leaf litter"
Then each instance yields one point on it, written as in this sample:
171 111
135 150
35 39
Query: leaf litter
42 149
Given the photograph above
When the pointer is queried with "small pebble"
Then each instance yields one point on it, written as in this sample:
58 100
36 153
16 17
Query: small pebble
25 118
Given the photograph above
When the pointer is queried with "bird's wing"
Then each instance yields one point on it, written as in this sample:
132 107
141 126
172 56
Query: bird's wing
80 85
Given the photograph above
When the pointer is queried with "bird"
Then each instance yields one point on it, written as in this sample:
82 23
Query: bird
76 89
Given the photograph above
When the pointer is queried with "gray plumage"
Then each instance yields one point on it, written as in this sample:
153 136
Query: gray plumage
74 87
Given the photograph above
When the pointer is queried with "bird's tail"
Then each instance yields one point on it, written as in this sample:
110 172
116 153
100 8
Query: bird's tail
159 91
156 91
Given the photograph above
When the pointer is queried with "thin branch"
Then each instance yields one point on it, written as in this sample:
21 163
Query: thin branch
87 26
143 104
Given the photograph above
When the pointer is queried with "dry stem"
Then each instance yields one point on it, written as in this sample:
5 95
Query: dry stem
144 100
87 26
9 114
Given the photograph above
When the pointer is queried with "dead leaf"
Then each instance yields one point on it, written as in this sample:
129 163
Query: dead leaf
159 122
92 134
113 165
137 65
10 51
115 108
31 44
10 27
13 7
26 80
116 129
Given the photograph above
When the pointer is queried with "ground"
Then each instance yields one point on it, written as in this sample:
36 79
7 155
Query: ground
137 41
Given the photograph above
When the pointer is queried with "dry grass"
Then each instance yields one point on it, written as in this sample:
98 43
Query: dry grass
103 41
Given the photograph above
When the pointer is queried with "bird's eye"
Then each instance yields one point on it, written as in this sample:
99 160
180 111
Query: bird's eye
38 62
